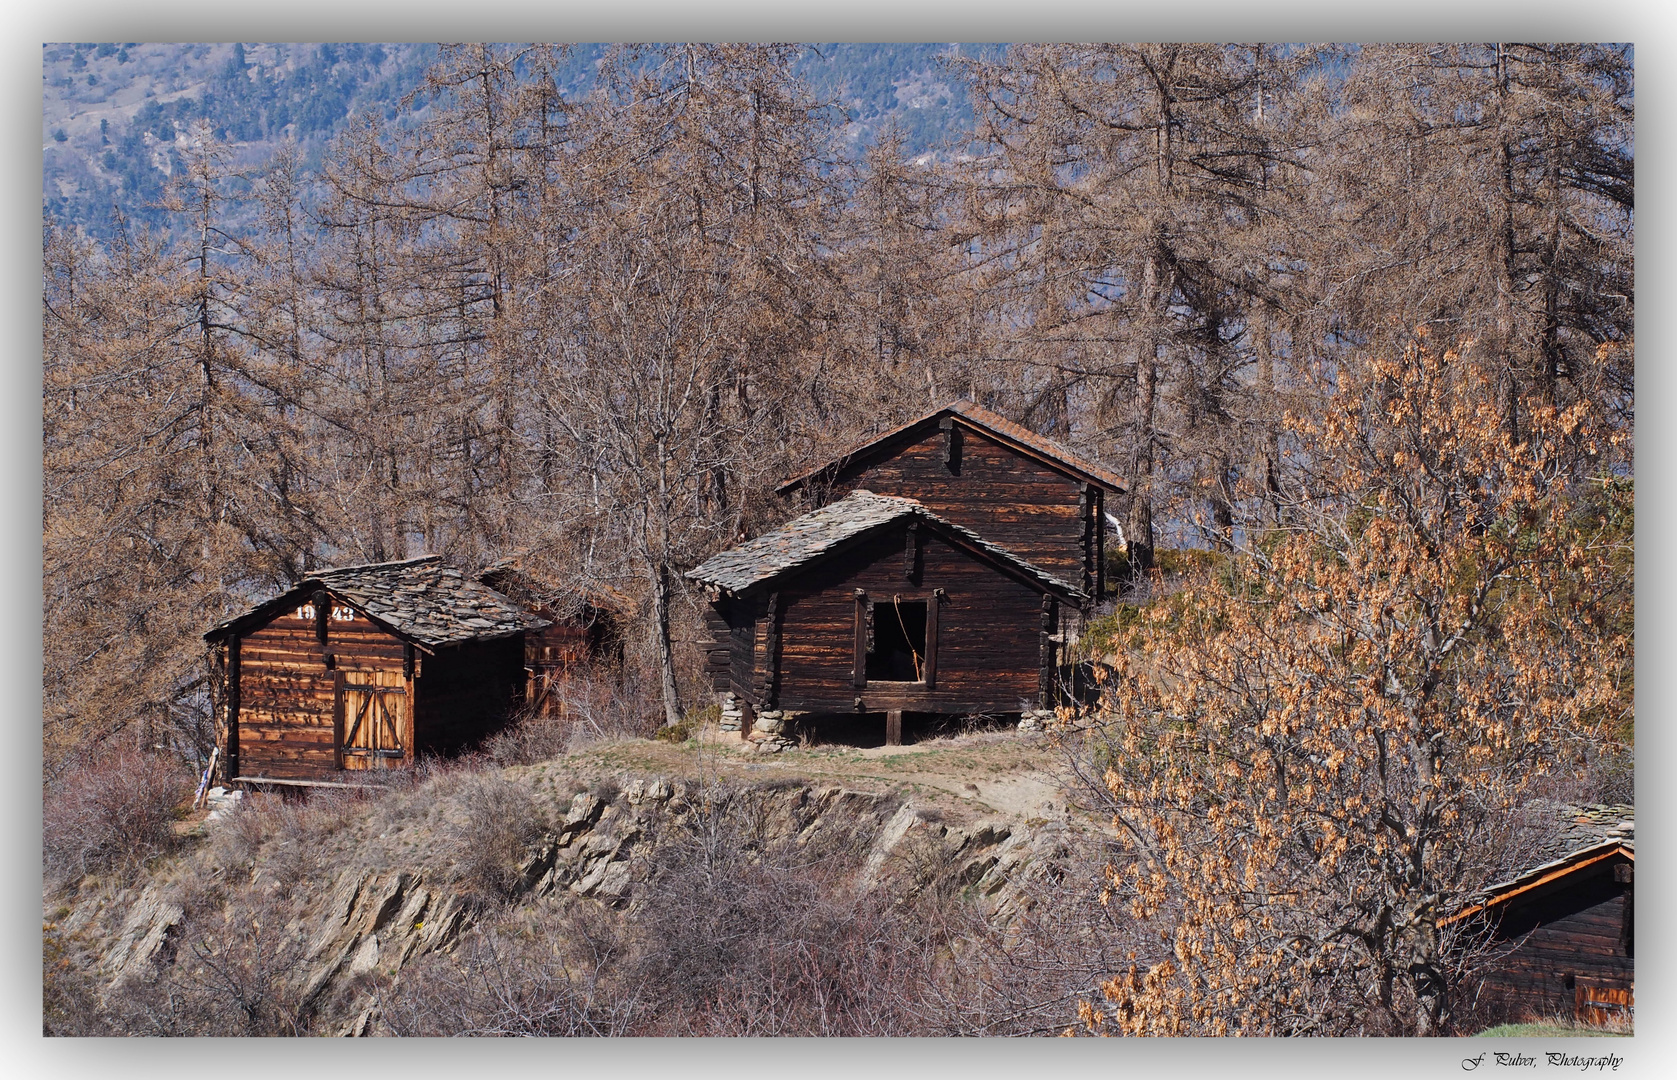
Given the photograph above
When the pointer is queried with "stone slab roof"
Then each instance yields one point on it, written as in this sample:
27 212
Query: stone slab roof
980 419
807 539
420 599
1584 835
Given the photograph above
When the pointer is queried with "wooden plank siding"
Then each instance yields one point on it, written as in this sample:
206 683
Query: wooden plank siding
1579 935
982 663
287 723
287 700
1041 515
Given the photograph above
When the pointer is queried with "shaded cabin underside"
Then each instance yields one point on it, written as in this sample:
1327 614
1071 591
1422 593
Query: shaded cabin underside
806 642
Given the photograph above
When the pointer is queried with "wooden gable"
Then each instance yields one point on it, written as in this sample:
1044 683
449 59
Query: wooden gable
972 467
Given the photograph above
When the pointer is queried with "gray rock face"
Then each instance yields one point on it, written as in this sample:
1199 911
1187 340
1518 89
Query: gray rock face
374 922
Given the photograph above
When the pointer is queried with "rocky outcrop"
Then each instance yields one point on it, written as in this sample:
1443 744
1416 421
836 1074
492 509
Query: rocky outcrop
602 848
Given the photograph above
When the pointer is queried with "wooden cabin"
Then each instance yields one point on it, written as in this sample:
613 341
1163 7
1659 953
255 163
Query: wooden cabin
1566 926
366 668
584 632
876 605
1015 488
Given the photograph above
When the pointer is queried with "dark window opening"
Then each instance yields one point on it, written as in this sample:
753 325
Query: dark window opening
898 646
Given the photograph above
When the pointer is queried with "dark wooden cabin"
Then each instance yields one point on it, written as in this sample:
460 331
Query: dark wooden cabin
584 632
1015 488
1566 926
365 668
876 605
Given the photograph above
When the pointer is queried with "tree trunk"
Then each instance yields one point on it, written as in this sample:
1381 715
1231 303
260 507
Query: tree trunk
661 642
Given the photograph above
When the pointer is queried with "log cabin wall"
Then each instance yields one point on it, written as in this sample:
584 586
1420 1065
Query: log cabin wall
1571 940
983 664
1032 510
554 654
285 724
360 667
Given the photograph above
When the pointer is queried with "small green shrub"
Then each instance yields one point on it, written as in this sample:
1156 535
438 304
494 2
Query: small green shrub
675 733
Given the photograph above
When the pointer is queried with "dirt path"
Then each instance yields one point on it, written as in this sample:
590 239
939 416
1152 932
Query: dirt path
997 774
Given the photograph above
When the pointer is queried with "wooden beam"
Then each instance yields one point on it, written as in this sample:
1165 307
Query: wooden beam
1086 509
951 444
928 671
338 720
1100 544
230 758
894 727
307 783
1045 676
771 647
859 677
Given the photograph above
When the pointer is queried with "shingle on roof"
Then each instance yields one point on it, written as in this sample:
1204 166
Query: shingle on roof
1580 829
981 418
421 599
805 539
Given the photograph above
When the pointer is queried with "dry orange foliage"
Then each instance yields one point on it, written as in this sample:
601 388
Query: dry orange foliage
1318 749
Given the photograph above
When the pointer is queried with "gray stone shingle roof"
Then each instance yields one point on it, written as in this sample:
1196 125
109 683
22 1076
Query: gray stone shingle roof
804 540
1579 829
420 599
1596 823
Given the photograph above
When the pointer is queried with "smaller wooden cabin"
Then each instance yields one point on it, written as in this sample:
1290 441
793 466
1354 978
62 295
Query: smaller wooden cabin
585 631
875 605
979 470
365 668
1566 925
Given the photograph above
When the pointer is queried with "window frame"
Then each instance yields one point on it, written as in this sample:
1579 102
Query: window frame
863 606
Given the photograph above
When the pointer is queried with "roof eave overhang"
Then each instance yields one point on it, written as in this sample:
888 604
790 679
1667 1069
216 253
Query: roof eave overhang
1546 876
942 528
308 586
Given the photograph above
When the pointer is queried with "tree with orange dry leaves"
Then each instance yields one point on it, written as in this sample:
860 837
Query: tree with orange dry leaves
1319 751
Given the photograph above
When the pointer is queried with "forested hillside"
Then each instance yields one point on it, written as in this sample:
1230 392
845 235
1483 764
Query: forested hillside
1355 324
114 114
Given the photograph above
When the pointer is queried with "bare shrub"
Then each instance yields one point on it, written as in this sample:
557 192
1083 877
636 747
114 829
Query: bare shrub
590 706
496 822
236 838
112 812
235 969
530 737
741 937
520 978
69 995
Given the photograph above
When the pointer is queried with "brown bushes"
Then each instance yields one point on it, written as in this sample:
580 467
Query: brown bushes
112 812
527 977
231 968
588 707
736 933
485 842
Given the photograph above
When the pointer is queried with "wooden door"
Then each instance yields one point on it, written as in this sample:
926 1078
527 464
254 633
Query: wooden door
373 727
1600 1004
